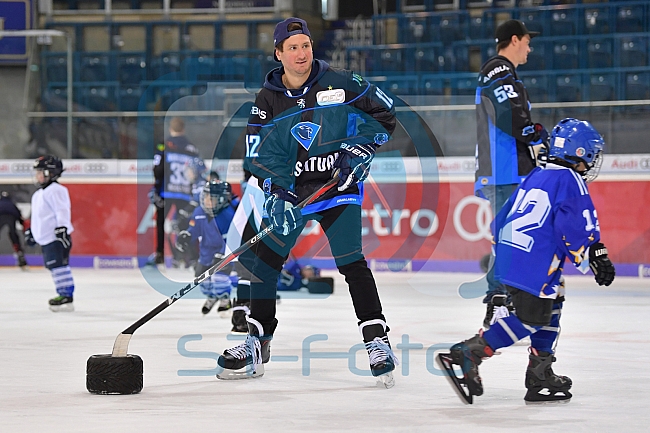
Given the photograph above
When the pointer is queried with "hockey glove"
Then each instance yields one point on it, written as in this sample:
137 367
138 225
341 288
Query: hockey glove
354 163
29 238
155 198
542 133
62 236
282 211
600 264
183 241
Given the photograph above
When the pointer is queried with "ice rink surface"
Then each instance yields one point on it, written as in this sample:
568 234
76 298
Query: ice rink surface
603 347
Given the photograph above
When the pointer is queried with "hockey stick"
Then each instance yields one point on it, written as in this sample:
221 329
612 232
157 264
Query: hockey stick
121 345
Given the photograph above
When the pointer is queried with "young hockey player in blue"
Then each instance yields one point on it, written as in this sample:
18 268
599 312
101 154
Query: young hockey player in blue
549 218
209 225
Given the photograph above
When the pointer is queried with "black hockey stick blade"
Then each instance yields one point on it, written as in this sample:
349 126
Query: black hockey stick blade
121 345
457 383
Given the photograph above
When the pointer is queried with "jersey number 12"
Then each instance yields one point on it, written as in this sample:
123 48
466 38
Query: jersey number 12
252 143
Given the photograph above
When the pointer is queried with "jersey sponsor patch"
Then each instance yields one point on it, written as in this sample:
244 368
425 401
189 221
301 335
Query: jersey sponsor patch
305 133
258 112
381 138
330 97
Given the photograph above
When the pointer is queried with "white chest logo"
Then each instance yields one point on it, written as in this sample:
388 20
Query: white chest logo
330 97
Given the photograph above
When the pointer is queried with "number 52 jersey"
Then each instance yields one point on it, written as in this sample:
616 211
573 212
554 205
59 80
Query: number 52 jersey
549 218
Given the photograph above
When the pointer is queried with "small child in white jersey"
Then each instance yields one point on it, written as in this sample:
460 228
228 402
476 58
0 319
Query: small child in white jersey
51 228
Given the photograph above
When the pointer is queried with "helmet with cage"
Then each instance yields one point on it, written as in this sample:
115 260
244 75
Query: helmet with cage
574 141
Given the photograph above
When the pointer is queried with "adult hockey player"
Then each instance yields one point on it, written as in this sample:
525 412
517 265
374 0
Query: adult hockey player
208 226
9 215
308 120
51 228
172 188
550 218
505 133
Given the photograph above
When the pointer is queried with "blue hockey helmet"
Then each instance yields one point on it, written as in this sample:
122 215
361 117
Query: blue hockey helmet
576 141
215 196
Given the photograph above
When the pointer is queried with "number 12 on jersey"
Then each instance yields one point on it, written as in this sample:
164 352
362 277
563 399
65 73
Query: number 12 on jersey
252 143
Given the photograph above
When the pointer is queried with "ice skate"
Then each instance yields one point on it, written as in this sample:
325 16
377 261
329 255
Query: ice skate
61 304
155 259
497 308
224 309
467 356
240 311
247 360
22 263
208 305
542 383
381 356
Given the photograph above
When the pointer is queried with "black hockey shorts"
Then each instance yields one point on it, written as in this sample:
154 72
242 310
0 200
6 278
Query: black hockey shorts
530 309
55 255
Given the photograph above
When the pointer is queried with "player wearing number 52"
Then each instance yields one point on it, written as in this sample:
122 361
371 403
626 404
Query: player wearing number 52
505 132
548 220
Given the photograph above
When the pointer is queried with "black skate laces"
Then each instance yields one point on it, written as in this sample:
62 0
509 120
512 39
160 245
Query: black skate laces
379 351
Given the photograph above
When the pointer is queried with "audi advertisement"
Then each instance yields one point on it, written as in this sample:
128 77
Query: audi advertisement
416 214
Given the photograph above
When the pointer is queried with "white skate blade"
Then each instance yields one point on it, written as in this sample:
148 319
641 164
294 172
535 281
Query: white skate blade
386 380
242 373
537 403
65 308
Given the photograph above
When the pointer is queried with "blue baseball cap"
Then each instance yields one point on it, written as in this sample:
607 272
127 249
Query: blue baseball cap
281 31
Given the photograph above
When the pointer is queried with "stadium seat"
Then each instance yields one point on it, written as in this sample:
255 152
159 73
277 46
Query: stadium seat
416 30
131 69
400 84
565 55
55 98
602 87
129 98
536 57
633 52
425 58
449 29
537 88
56 68
97 98
461 57
389 60
199 66
94 68
597 20
481 27
564 22
465 86
629 19
568 88
167 63
637 85
432 85
535 20
488 50
600 54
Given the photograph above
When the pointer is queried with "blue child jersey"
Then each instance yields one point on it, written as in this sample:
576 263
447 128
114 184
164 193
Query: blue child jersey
549 218
211 232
